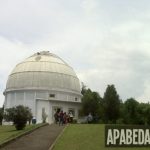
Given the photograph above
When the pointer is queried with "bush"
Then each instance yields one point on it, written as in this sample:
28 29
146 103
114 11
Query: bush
119 121
74 121
19 115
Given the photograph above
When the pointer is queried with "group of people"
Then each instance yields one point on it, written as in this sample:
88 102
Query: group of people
63 118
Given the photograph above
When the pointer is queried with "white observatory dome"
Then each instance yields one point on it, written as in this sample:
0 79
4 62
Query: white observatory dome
43 70
44 83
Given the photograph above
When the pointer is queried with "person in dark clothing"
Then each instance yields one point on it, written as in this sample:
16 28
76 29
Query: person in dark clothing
65 118
56 117
61 117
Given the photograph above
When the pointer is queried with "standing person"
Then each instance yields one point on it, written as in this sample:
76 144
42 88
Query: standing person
61 119
89 118
56 117
70 117
65 118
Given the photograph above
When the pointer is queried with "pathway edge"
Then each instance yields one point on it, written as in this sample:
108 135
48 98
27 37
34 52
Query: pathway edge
57 138
19 136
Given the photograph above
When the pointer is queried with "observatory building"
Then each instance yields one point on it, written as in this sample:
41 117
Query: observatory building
44 83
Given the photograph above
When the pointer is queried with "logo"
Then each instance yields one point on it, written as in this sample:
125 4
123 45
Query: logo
127 136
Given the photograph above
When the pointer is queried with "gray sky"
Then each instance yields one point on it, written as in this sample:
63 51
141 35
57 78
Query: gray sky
105 41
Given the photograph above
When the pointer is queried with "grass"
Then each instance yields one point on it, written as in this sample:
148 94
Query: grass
85 137
8 132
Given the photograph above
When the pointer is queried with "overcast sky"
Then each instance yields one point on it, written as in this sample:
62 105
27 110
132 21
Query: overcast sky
105 41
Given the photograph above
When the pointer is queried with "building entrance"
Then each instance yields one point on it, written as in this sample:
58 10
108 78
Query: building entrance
55 109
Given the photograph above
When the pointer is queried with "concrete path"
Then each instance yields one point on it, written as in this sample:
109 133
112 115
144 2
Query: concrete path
40 139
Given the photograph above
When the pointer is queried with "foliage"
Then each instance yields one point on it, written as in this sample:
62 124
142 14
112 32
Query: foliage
19 115
1 115
83 90
29 115
111 104
136 113
131 111
111 109
91 103
9 114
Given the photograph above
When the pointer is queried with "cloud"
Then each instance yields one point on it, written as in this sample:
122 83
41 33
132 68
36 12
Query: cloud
145 96
106 42
11 53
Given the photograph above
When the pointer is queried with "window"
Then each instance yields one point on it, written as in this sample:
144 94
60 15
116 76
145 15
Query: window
76 98
52 95
71 110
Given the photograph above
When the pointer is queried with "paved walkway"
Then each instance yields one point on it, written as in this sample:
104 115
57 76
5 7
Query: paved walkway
40 139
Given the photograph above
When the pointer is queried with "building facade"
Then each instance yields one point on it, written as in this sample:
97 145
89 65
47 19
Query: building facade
44 83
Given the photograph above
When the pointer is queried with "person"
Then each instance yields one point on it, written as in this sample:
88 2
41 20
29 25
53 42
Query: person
33 120
70 117
89 118
56 117
65 118
61 119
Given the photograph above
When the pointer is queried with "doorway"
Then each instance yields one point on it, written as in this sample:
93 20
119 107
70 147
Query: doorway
54 110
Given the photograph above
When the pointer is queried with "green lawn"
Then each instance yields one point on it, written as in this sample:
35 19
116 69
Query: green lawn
85 137
8 132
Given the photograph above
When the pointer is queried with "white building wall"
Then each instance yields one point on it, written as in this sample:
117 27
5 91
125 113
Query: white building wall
30 101
36 100
42 95
42 104
19 98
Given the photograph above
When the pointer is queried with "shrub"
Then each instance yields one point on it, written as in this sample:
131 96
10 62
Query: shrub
19 115
74 121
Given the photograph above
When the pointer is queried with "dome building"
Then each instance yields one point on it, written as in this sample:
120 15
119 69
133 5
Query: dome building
44 83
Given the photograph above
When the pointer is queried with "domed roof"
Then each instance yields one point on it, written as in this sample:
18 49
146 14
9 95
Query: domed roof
43 70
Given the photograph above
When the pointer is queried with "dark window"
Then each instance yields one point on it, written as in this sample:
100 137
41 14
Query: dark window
76 98
71 110
51 95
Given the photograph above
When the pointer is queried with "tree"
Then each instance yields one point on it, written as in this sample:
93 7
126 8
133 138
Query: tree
147 114
131 111
143 113
111 104
91 103
84 89
1 115
29 115
9 114
19 115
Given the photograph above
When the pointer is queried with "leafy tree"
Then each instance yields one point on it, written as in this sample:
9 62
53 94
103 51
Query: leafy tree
1 115
91 103
84 89
147 113
131 111
29 115
111 104
144 113
120 119
19 115
9 114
